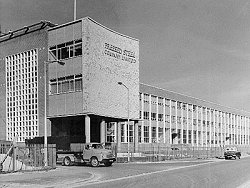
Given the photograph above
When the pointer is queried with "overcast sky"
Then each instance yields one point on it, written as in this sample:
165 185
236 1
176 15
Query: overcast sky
200 48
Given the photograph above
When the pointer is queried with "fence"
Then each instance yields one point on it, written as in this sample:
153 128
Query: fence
154 152
28 158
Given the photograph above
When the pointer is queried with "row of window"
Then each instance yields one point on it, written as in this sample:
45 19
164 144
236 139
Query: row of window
66 84
21 96
181 105
67 50
186 136
154 117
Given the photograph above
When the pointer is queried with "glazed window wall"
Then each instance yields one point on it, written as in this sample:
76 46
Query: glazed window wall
67 50
66 84
21 95
201 125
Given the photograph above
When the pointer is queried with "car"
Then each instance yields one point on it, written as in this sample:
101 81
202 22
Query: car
232 152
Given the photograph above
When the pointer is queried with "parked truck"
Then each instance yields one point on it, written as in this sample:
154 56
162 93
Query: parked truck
74 150
94 154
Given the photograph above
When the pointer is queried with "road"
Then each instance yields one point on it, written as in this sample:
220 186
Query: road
226 173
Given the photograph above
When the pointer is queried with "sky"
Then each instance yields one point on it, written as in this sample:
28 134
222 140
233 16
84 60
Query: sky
200 48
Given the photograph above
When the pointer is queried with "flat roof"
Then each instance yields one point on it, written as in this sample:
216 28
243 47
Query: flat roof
79 20
164 93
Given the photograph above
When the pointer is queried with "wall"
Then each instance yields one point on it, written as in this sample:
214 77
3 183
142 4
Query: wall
35 40
66 103
104 66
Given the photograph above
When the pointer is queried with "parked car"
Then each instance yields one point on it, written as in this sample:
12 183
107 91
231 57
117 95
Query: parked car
232 152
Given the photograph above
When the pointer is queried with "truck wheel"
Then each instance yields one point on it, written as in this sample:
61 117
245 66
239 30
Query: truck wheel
108 164
67 161
94 162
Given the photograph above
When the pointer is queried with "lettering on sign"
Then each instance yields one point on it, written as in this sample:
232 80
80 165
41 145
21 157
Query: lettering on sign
118 53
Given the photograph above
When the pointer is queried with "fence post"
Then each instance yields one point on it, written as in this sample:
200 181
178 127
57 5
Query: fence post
14 158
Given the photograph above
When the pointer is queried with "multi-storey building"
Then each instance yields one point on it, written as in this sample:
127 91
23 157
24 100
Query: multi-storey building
22 55
172 118
84 98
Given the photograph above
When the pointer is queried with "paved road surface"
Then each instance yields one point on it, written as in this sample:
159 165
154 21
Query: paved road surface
228 173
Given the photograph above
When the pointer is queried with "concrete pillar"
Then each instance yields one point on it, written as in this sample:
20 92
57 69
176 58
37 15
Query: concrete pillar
136 137
187 124
150 120
164 120
87 129
119 135
102 131
170 124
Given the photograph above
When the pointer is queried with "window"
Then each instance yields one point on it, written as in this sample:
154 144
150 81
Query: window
160 117
110 132
160 134
153 135
66 84
146 134
139 134
146 115
78 83
131 132
153 116
67 50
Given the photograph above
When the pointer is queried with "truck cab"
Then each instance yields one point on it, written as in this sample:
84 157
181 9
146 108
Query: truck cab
96 154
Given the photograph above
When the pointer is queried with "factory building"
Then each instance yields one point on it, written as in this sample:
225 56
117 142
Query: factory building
92 88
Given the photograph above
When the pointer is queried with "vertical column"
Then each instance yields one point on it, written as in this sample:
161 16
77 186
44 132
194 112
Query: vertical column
214 126
176 115
142 116
221 124
197 125
170 124
187 123
182 126
102 131
240 124
164 120
237 124
118 139
87 129
157 122
150 119
202 126
210 128
206 120
231 130
136 137
192 121
234 130
247 130
244 135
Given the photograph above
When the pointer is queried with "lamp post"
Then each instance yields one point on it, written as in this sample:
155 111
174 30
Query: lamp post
45 111
120 83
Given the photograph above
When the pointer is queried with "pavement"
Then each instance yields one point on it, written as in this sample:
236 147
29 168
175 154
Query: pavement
51 178
69 176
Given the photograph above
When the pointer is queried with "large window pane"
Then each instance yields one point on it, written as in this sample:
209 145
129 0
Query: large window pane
53 88
65 52
78 49
78 84
65 86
